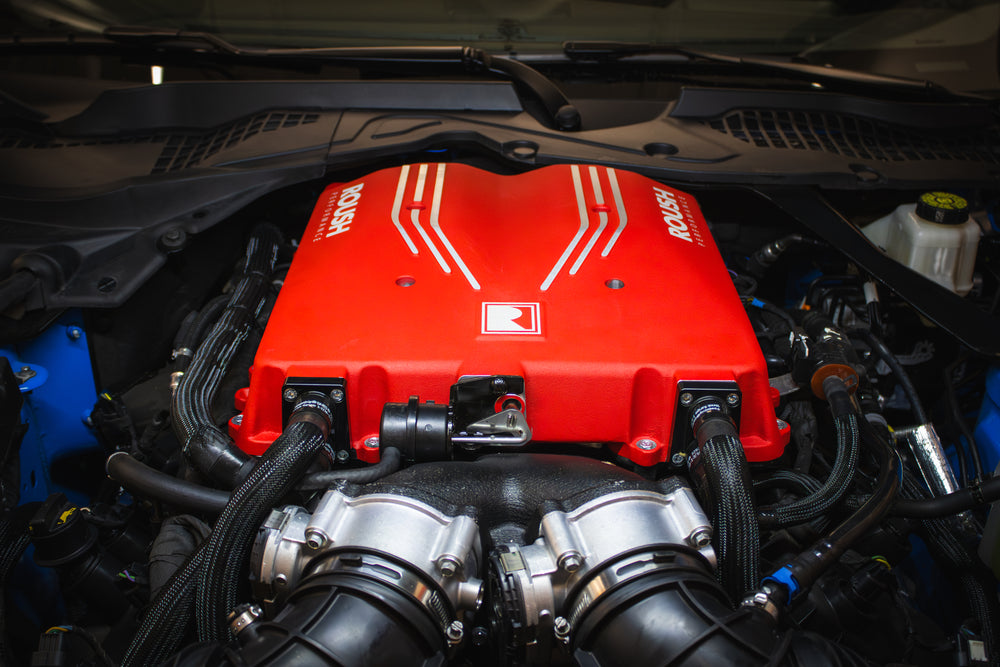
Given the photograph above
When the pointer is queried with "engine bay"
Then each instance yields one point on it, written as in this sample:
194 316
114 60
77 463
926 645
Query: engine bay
436 413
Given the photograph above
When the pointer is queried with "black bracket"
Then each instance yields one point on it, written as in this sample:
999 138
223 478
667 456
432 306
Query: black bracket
336 389
688 393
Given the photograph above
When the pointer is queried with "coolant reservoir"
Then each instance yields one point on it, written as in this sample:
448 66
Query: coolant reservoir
935 237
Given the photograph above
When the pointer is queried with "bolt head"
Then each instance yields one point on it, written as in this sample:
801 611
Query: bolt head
342 455
371 443
289 394
74 333
678 459
646 444
571 562
448 566
237 420
315 539
700 538
687 398
337 395
733 399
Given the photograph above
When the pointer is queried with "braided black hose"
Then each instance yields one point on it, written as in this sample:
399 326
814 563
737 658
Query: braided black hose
164 624
975 580
228 548
737 536
836 485
13 541
206 446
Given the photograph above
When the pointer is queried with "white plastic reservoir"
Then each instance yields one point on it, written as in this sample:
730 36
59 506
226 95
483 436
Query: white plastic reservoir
935 237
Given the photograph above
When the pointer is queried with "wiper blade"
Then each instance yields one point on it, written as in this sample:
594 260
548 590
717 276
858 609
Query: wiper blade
558 108
612 51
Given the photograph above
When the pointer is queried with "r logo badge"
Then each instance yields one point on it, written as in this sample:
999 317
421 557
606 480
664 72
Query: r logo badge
511 318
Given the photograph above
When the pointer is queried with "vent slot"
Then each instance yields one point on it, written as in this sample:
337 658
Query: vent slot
855 137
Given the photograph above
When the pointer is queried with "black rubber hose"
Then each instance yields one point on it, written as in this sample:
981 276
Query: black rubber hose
167 618
939 507
808 566
141 480
842 475
15 287
205 445
884 353
318 481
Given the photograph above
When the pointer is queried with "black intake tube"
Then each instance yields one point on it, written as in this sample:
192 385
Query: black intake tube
209 576
679 615
205 445
721 467
336 619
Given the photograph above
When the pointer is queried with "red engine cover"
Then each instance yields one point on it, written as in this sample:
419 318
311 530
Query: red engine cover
602 288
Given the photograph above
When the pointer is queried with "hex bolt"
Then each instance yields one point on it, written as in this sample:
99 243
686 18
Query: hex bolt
700 537
733 399
315 538
561 628
455 632
337 395
678 459
448 565
646 444
342 455
570 561
289 394
237 420
687 398
371 443
74 333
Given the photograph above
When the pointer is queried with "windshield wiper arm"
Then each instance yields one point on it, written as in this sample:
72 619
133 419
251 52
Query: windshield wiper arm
557 107
612 51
